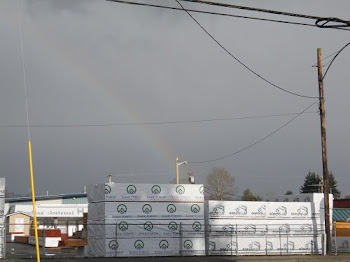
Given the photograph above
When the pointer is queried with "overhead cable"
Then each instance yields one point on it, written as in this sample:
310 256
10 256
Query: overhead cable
239 61
322 22
253 144
217 13
335 58
160 123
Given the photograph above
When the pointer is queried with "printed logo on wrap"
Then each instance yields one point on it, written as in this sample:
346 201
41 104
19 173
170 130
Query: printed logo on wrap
148 226
269 245
287 246
312 245
232 246
303 211
163 244
156 190
260 212
171 208
240 211
195 208
122 209
218 210
284 229
146 208
188 244
139 244
201 190
253 246
172 226
279 212
108 189
196 226
131 189
212 246
180 190
344 245
113 245
123 226
307 228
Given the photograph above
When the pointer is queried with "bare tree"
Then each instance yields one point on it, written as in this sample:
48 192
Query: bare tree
220 184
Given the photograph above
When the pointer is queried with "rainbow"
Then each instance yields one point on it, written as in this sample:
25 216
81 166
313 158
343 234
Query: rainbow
93 83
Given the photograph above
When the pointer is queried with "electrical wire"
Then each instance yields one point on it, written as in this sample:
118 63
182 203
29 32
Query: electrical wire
218 13
23 67
239 61
161 123
318 19
255 143
330 64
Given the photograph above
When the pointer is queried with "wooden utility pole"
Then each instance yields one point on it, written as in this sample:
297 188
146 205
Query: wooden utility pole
324 153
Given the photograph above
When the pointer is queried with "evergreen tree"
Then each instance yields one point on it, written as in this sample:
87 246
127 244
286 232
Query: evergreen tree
248 196
333 186
310 183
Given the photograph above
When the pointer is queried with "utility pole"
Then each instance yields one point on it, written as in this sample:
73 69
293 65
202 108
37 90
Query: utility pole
324 153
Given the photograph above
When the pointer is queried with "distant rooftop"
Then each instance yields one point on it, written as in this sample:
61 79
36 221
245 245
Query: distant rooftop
45 197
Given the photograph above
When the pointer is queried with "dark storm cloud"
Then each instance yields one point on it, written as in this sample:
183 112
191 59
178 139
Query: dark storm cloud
96 62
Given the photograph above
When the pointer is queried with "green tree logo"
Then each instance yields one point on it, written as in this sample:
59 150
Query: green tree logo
148 226
122 209
188 244
172 226
123 226
163 244
113 245
108 189
171 208
180 190
147 208
156 189
195 208
139 244
131 189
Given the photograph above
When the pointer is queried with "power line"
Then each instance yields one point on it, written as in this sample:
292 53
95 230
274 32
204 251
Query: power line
218 13
239 61
320 21
160 123
255 143
334 59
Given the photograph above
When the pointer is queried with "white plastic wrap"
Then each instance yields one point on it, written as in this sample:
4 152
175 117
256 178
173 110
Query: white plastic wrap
257 245
146 228
115 211
145 247
262 210
145 192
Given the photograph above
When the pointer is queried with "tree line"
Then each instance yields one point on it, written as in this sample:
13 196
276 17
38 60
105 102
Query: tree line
220 185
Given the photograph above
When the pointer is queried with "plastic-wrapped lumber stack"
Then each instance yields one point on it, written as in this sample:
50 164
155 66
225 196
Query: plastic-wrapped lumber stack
259 228
127 220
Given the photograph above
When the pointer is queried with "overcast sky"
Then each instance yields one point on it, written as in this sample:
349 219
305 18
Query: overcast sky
89 64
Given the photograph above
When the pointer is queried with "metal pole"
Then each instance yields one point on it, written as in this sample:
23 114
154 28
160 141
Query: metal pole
324 152
177 169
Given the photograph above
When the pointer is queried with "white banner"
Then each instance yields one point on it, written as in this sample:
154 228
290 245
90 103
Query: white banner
146 228
145 247
114 211
145 192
